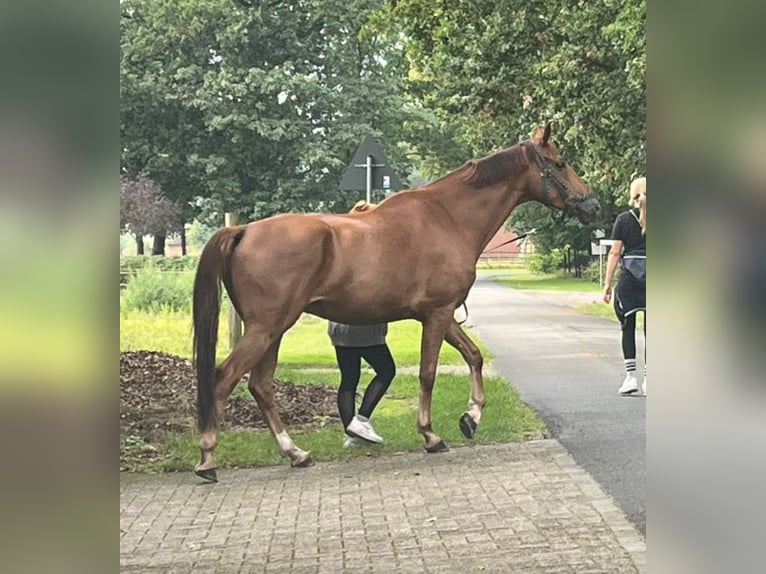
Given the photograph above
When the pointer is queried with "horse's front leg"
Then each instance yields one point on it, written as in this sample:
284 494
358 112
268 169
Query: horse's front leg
434 329
471 354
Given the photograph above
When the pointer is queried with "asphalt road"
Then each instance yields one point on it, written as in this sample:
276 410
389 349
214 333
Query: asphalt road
567 366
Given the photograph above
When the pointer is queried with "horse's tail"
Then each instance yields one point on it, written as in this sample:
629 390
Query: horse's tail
214 266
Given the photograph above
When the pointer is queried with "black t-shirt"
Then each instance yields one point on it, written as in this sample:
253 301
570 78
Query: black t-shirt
628 230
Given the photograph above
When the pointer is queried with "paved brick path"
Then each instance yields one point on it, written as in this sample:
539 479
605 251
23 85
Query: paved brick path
503 508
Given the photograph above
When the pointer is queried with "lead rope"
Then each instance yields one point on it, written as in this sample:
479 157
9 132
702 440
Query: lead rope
465 307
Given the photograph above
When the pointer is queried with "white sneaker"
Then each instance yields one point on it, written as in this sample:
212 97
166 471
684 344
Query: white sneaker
360 427
643 387
350 441
629 385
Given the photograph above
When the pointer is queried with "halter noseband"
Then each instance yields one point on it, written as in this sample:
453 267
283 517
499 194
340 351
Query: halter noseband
547 176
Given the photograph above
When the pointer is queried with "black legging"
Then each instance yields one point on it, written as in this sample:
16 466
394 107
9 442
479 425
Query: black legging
628 324
350 362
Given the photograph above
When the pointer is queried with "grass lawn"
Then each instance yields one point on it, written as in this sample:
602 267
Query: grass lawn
307 357
598 310
607 312
306 344
505 419
523 279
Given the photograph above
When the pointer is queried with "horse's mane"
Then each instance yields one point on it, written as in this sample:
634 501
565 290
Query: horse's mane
496 167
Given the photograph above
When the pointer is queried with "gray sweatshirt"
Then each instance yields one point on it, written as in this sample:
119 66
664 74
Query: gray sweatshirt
343 335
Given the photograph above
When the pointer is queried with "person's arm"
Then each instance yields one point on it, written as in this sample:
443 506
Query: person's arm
611 266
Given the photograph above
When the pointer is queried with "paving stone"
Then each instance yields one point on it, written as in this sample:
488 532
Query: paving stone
524 507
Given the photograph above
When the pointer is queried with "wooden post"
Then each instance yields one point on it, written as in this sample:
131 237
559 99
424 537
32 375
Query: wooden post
235 321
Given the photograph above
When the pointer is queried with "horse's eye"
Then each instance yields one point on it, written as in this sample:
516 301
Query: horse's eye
561 164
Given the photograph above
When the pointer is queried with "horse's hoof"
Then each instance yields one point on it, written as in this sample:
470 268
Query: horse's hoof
438 447
208 474
467 426
303 463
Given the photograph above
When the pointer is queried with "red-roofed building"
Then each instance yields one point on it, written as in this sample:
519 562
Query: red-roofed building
500 247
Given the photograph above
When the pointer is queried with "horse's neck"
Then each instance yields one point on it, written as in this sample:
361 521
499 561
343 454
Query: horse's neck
479 212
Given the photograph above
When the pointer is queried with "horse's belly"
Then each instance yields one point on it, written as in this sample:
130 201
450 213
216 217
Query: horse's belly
358 313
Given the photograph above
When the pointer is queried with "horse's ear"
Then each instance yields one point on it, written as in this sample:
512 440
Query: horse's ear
538 136
547 133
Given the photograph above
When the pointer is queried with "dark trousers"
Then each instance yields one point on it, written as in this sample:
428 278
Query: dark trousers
629 297
350 364
628 325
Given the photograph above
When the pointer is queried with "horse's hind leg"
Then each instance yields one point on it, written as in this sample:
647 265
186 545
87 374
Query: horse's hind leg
471 354
261 386
246 353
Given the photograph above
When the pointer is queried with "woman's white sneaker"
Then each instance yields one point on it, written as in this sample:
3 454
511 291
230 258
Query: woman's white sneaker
360 427
629 385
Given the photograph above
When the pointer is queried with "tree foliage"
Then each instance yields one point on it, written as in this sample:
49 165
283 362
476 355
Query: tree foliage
256 108
144 209
493 70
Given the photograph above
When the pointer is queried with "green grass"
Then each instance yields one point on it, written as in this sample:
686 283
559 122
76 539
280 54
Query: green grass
307 357
522 279
167 332
607 312
598 310
306 344
500 264
505 419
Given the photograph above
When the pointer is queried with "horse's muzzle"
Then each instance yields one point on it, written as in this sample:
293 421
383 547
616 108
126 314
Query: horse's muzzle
587 210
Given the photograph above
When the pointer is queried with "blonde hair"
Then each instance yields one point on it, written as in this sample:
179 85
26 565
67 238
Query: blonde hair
361 205
638 199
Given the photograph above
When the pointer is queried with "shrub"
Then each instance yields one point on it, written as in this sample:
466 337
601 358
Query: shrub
591 273
162 262
152 290
132 264
545 263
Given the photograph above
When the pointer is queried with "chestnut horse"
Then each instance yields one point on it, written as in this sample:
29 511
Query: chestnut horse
412 257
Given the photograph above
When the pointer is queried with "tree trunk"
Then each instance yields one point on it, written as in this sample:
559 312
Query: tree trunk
139 244
158 247
183 239
577 271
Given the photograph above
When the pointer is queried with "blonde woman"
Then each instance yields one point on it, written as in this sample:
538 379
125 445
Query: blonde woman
629 245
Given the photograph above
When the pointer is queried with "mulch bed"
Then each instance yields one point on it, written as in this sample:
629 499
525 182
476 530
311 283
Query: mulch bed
158 396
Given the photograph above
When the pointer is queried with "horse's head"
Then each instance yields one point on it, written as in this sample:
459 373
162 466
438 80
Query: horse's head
560 187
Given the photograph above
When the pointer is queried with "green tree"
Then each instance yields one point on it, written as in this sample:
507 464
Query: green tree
199 233
257 108
164 51
492 71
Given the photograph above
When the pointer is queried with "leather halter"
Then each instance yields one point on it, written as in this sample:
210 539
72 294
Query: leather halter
547 176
